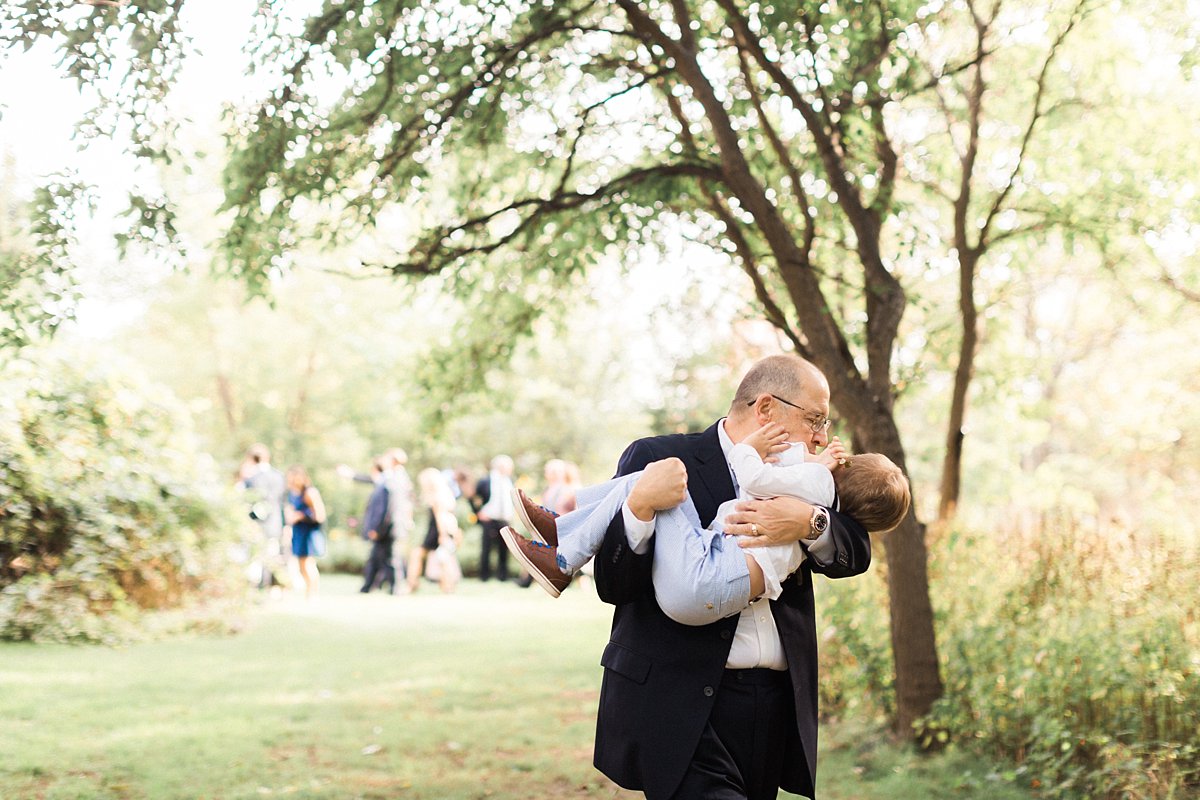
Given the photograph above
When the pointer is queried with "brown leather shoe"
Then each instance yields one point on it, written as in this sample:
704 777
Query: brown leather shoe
538 520
541 560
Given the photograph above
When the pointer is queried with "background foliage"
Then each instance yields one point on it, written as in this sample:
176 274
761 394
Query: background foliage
106 506
1071 648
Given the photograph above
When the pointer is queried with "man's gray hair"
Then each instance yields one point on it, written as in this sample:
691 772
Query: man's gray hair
782 375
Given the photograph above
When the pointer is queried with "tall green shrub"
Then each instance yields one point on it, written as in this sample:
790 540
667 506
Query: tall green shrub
1075 650
106 506
1070 650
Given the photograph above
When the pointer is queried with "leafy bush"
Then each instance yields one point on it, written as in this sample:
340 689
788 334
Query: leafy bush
1078 655
1072 652
106 508
857 677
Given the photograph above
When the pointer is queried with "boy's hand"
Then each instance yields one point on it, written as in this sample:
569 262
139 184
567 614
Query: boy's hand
833 456
768 440
663 485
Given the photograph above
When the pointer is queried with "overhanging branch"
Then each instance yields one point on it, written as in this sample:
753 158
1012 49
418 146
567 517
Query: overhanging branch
438 252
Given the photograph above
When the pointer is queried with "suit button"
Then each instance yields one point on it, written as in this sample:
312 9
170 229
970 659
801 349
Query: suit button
708 691
726 634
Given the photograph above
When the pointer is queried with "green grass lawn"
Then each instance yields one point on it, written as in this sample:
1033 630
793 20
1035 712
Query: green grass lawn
488 693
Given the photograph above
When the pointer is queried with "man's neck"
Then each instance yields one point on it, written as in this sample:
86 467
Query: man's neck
738 428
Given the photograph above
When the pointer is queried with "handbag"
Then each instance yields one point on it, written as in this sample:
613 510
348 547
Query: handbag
317 543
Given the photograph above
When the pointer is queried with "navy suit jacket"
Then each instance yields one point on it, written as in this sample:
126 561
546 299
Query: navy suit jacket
661 677
376 517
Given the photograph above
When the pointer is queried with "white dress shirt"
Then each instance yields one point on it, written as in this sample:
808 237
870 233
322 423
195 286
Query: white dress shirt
499 504
756 641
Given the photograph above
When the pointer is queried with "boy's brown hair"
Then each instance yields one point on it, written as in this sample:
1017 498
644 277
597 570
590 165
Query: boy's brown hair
873 491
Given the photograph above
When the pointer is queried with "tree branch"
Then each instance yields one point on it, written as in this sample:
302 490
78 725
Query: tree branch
831 156
438 254
1035 116
1166 278
781 153
962 203
749 261
446 106
741 244
683 18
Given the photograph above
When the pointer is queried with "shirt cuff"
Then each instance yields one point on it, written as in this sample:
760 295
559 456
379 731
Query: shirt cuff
637 531
822 549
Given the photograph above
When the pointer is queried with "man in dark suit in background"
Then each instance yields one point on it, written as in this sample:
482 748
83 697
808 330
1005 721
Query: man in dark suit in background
727 710
377 528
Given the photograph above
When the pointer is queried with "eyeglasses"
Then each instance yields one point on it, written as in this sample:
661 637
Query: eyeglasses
819 425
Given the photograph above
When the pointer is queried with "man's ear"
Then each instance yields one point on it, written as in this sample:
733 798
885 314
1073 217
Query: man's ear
762 409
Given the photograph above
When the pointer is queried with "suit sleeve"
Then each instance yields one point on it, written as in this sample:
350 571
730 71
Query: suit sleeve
852 548
622 575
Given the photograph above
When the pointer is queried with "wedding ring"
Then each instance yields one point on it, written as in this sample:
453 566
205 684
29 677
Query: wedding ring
754 528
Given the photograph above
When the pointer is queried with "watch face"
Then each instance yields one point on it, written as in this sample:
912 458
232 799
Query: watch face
820 520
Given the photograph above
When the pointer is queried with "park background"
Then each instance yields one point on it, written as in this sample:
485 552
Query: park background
546 230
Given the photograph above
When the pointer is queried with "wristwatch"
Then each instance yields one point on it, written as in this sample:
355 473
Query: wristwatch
818 523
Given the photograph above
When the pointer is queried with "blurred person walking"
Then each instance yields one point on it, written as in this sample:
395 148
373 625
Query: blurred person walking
559 494
400 508
377 529
266 490
305 512
437 494
432 499
390 468
494 493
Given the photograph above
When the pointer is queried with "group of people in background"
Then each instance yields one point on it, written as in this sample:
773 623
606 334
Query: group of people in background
289 514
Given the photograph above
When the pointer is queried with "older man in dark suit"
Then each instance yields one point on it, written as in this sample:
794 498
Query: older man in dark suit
727 710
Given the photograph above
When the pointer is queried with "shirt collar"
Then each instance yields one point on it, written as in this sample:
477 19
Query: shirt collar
723 437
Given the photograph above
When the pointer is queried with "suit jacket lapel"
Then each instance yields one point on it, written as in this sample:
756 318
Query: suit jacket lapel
712 473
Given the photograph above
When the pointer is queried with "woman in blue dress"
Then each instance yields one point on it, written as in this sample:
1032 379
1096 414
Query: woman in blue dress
305 512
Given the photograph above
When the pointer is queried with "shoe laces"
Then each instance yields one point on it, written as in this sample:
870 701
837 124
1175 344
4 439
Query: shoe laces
536 543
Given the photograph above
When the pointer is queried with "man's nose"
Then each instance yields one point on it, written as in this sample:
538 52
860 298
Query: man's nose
820 438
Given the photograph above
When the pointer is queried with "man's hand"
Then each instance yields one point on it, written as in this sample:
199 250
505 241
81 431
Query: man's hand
768 440
372 535
663 485
780 520
833 456
345 471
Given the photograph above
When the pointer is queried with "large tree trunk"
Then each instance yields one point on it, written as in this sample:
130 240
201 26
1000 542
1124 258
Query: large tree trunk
914 644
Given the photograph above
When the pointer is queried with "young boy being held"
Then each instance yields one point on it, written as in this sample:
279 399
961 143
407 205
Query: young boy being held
699 575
